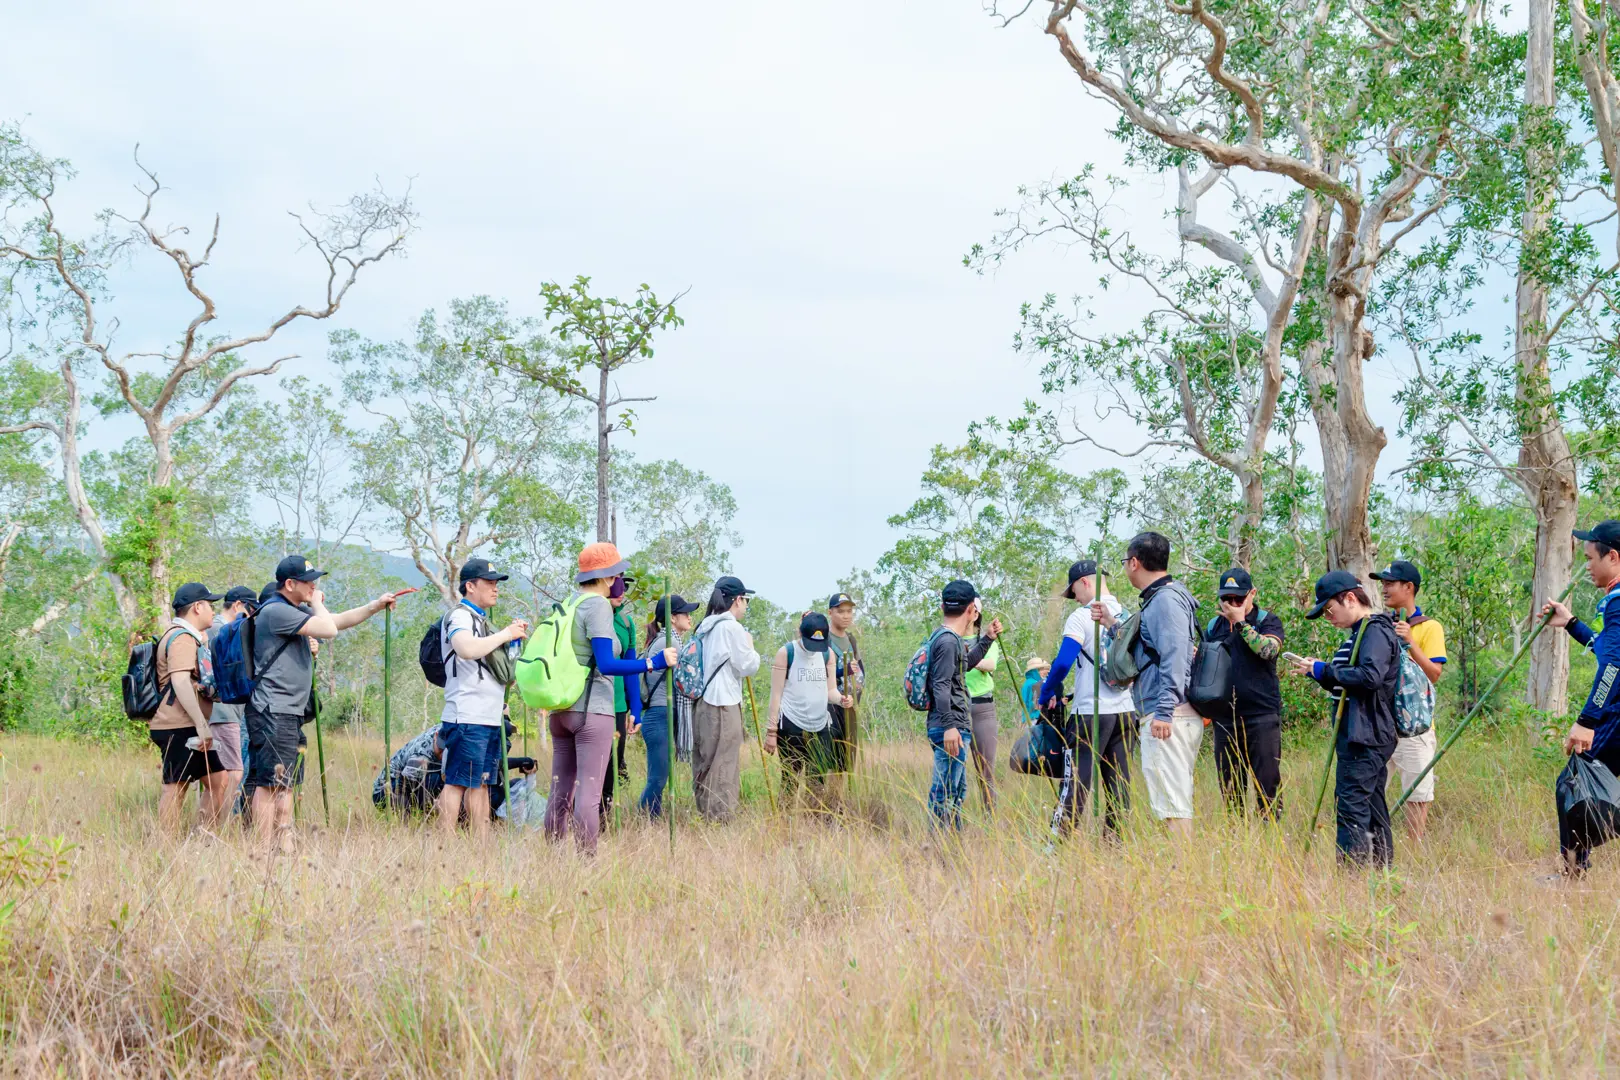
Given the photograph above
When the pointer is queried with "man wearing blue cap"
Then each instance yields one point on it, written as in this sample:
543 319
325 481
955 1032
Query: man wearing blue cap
1595 734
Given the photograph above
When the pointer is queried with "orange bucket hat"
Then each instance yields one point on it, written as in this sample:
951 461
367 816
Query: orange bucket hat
599 560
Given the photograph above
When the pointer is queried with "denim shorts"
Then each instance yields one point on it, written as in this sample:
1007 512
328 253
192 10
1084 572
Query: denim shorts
472 754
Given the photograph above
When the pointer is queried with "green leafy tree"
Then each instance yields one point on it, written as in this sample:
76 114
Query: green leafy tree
597 337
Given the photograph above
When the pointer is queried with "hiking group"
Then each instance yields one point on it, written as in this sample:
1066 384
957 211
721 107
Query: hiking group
227 697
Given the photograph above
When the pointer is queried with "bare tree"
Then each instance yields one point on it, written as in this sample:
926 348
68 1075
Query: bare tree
192 377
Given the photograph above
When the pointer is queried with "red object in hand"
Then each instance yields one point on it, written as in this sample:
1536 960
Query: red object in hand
405 592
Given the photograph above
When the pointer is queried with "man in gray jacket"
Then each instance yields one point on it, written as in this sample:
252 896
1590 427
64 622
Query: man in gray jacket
1164 651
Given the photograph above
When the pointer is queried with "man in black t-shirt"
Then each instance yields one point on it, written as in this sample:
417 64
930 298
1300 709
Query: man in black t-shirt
1248 734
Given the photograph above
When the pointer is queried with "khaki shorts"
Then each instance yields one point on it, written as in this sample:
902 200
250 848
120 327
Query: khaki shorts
1409 758
1167 764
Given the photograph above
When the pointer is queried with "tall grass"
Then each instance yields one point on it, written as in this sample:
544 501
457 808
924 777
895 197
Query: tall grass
798 944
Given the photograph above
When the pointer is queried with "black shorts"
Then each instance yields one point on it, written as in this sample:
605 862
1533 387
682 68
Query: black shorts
803 751
181 764
274 744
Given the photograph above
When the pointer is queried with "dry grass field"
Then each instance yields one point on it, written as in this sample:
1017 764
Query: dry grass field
791 944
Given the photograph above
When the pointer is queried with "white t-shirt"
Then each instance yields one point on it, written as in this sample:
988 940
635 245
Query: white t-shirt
1079 626
471 694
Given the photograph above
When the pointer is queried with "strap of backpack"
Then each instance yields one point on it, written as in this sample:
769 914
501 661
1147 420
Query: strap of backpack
253 671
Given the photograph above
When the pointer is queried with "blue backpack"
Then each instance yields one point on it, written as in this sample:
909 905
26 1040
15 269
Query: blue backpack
232 647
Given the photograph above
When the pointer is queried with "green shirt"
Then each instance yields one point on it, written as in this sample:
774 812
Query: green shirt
624 628
980 683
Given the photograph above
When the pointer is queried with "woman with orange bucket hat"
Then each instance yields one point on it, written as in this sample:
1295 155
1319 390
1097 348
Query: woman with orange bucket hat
582 735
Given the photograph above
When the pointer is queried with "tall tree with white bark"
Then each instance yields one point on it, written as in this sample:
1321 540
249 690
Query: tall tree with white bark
1330 103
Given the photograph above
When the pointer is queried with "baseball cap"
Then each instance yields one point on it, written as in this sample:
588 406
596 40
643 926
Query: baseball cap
1235 582
680 604
479 570
1084 568
1606 533
1328 586
270 590
839 599
731 588
190 593
241 594
956 596
1399 570
599 560
814 631
296 568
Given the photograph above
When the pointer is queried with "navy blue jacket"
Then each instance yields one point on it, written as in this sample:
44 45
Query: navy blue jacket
1601 712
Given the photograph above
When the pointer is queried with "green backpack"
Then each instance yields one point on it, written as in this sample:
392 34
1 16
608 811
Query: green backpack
549 675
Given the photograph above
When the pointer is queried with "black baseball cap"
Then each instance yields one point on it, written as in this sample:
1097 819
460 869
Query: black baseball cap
268 591
190 593
675 601
1328 586
814 631
1235 582
839 599
1606 533
296 568
1085 568
956 596
241 594
731 588
1399 570
479 570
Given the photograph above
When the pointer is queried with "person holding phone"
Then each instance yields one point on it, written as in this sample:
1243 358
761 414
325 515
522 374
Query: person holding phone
474 699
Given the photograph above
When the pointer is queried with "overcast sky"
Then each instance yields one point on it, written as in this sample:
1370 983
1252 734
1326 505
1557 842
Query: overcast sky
812 172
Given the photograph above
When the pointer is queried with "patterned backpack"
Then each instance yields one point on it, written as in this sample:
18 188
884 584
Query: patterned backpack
916 681
690 681
1414 700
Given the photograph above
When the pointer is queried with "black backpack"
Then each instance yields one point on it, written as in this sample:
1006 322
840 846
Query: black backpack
1211 689
430 654
142 692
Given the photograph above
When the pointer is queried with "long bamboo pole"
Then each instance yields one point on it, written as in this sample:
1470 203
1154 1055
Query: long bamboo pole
1480 704
320 746
1100 593
759 739
671 638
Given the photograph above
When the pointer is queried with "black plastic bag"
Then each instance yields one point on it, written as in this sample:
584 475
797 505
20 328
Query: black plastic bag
1588 802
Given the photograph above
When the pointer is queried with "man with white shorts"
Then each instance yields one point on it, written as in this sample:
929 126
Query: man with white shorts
1166 643
1425 641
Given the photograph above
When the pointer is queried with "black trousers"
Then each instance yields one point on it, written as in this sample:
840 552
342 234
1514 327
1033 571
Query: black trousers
1578 837
1114 764
807 756
1363 815
606 805
1248 752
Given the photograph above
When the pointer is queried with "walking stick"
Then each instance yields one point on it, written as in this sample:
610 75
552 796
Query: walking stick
388 695
759 739
1480 704
320 746
506 778
1333 743
1096 695
671 637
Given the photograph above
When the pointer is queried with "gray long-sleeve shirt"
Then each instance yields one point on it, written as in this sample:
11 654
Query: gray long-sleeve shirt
1165 648
948 660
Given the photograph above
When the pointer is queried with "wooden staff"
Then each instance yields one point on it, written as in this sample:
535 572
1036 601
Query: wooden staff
670 705
320 747
1101 593
388 692
759 739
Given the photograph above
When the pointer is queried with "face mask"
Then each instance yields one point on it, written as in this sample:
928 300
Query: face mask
618 589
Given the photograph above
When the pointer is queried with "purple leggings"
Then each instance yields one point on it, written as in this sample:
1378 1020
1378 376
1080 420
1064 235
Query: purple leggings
581 753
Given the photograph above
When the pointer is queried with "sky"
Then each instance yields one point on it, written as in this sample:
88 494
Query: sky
813 174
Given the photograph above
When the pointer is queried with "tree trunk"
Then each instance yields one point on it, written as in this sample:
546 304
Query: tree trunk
1249 516
603 526
161 505
1546 463
73 482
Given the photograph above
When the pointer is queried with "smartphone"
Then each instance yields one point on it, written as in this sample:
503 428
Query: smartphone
1292 657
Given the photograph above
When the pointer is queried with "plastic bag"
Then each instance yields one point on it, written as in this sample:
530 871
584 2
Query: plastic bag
1588 801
